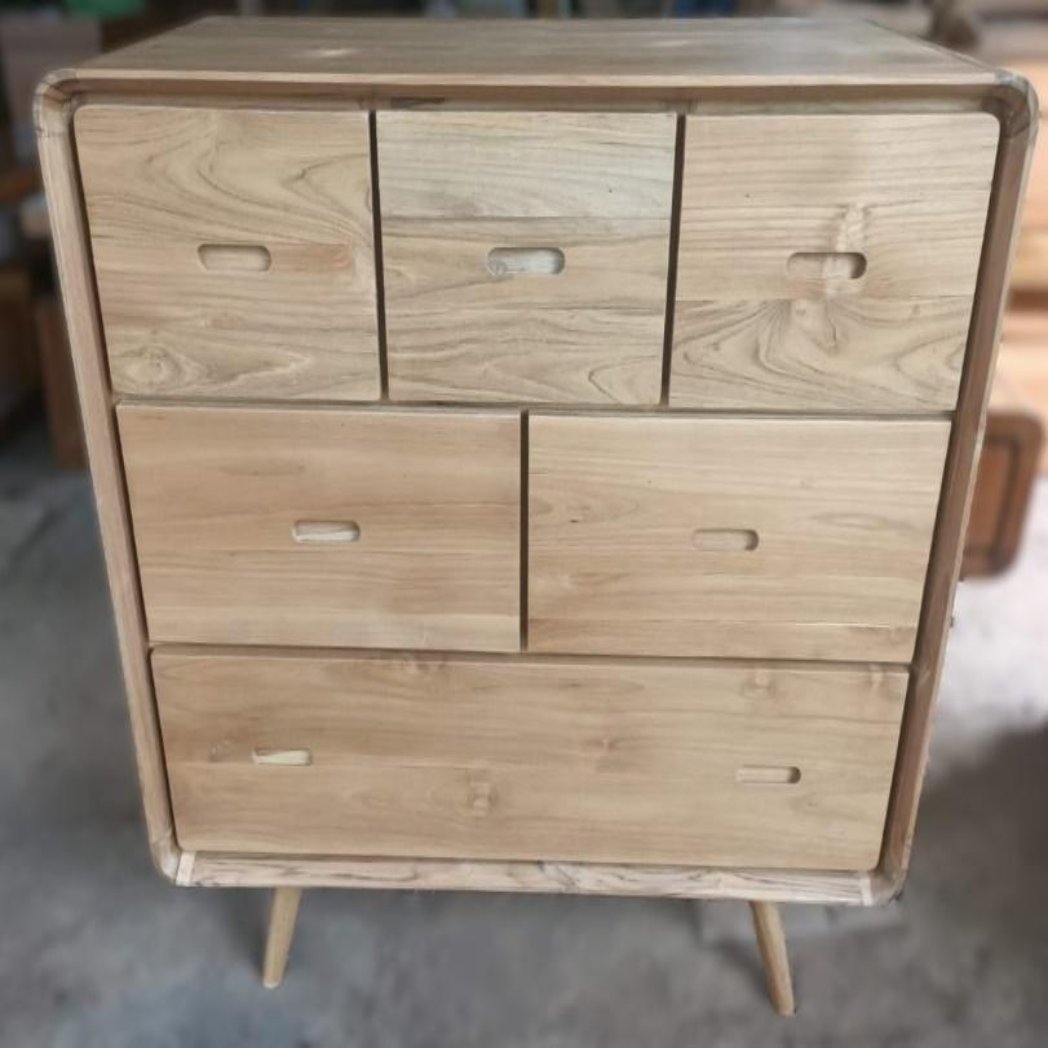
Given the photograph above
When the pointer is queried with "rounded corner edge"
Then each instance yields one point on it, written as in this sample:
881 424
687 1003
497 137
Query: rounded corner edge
885 884
52 102
170 861
1014 102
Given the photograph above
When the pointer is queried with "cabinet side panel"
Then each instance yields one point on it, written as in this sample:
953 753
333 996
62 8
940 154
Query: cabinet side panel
1016 104
73 259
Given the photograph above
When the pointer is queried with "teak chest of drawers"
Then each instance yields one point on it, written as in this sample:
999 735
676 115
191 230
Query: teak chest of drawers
534 457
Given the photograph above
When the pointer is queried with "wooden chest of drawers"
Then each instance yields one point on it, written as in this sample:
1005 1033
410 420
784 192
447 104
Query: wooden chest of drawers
534 457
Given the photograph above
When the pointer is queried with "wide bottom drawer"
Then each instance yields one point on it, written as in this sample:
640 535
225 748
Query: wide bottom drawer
519 758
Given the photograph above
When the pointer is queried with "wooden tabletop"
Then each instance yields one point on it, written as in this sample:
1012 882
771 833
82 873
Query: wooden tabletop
696 54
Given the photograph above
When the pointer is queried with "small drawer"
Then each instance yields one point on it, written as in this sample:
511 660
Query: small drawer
233 250
531 759
326 527
785 538
526 254
829 262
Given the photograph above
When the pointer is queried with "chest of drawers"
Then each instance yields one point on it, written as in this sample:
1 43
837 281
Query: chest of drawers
534 457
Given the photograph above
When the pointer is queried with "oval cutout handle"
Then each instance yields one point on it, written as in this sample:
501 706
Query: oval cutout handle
769 774
725 540
826 265
320 532
235 258
282 758
525 261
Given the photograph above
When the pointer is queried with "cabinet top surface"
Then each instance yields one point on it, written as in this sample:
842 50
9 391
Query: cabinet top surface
696 54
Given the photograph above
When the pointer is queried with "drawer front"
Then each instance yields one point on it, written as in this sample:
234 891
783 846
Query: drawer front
529 759
326 527
829 261
526 254
233 250
730 537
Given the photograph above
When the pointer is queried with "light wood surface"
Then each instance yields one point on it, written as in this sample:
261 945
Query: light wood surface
767 923
702 68
442 166
53 119
833 519
903 195
594 187
381 54
511 758
233 250
1019 130
215 870
219 497
282 917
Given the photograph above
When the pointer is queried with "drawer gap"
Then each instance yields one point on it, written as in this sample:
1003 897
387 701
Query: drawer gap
671 268
380 276
524 513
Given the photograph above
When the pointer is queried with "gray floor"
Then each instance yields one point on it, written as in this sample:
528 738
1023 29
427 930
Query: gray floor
95 950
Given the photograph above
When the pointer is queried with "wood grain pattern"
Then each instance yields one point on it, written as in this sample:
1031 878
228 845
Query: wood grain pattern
828 354
216 494
843 512
215 870
1019 118
387 54
161 184
441 165
520 758
704 67
781 160
594 186
53 118
905 194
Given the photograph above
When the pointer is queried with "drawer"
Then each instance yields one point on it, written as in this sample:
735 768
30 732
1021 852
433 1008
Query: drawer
326 527
233 250
829 261
529 759
784 538
526 254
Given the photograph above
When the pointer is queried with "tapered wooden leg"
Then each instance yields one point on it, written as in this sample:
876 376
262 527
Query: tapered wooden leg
767 922
282 919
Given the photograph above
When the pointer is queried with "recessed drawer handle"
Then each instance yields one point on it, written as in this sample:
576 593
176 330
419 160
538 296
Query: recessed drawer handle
235 258
768 775
325 531
826 265
525 261
725 540
286 758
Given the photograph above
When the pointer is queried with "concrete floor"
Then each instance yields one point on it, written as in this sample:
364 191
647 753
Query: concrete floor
96 950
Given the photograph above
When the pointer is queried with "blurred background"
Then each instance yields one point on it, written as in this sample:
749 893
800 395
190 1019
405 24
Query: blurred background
96 950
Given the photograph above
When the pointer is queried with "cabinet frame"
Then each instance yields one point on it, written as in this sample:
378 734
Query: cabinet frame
967 86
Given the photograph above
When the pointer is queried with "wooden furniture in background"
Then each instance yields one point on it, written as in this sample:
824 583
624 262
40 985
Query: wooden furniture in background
31 44
1023 359
60 402
1008 464
548 448
19 361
